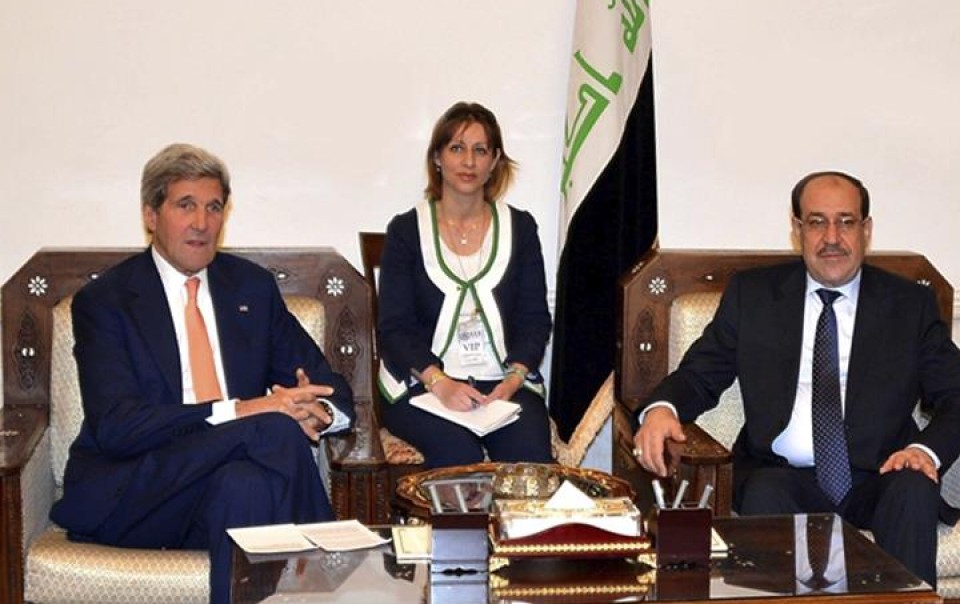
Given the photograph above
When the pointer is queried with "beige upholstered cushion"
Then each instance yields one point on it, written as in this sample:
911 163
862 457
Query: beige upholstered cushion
310 313
66 410
398 451
58 570
61 571
689 315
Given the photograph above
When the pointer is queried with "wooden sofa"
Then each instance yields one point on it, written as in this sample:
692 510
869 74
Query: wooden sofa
665 302
326 293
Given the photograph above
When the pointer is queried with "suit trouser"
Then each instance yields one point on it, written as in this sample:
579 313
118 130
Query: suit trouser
901 508
254 470
444 443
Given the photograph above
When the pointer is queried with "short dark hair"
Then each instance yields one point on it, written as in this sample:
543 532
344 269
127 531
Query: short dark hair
800 186
176 162
455 119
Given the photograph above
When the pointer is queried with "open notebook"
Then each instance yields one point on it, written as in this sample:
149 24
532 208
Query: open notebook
481 420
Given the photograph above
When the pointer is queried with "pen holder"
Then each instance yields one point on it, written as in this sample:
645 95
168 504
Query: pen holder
681 536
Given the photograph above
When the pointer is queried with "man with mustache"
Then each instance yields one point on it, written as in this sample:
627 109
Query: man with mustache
863 456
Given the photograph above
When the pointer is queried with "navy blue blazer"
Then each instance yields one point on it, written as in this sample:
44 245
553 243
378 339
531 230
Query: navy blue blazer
410 303
901 353
130 374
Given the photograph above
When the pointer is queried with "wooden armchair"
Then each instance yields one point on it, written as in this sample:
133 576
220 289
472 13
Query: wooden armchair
41 414
665 302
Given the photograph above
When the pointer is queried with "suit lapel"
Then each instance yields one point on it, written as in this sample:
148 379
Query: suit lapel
868 332
233 323
151 315
788 313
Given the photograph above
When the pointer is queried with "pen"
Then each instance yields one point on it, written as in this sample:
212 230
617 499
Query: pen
435 499
460 499
680 492
473 384
707 490
658 494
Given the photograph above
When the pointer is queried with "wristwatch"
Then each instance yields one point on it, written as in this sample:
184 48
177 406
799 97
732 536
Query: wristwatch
326 407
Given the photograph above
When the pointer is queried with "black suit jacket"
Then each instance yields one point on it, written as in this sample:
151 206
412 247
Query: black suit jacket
901 353
130 375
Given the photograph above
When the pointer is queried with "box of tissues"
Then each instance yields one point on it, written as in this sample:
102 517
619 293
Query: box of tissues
569 523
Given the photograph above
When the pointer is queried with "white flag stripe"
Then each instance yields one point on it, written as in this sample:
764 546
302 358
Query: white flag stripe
609 58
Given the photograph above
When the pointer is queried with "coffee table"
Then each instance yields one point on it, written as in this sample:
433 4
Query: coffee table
759 567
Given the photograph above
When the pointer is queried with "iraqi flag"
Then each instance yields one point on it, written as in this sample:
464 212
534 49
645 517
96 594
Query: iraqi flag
609 194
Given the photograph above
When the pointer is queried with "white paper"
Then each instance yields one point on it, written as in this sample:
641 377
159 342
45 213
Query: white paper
341 535
569 497
272 539
481 420
338 536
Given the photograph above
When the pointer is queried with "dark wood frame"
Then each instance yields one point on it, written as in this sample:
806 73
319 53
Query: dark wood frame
358 469
646 295
371 249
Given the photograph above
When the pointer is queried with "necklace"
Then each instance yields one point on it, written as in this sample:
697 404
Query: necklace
462 235
475 267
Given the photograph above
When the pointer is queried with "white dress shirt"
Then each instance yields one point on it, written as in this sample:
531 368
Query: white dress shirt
795 443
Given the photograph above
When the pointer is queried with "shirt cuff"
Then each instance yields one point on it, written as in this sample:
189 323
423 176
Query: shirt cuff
222 412
928 451
654 405
341 421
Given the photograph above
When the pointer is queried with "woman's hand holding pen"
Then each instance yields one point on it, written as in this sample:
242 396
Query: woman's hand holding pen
457 396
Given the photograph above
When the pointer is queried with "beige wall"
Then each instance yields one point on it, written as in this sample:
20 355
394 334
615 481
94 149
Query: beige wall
322 110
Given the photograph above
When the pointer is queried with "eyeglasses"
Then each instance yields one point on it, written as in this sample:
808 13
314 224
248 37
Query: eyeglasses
819 224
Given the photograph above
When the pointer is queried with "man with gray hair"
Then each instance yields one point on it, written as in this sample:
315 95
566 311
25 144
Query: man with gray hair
201 392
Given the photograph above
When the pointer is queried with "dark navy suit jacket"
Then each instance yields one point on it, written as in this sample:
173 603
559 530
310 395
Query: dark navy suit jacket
130 375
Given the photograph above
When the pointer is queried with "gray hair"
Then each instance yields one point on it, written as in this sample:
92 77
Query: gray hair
176 162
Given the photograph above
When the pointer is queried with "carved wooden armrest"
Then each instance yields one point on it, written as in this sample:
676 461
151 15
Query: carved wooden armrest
704 461
20 431
359 448
703 449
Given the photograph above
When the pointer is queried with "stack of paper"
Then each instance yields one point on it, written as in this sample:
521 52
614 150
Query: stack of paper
481 420
339 536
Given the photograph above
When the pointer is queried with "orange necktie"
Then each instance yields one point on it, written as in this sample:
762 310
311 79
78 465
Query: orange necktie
205 385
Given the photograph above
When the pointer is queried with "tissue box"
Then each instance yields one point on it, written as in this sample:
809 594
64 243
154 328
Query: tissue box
519 518
526 528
